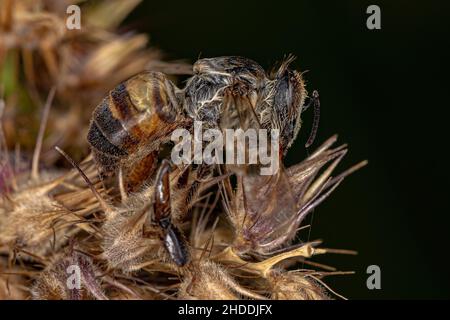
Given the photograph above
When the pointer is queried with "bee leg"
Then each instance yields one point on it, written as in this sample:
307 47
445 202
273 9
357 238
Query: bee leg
201 175
173 240
176 246
183 179
161 205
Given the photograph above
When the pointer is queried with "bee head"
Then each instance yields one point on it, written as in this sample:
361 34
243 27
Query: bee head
288 98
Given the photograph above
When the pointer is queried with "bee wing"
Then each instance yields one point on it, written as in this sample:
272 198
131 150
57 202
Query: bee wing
270 207
238 111
264 210
265 204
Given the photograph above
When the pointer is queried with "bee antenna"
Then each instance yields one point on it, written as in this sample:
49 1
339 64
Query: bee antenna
315 126
103 203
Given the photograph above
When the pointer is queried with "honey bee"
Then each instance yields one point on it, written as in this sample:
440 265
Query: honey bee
136 119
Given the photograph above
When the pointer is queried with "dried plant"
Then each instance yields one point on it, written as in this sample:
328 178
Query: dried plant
240 233
38 52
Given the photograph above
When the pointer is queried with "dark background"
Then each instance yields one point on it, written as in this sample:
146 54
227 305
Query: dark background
383 91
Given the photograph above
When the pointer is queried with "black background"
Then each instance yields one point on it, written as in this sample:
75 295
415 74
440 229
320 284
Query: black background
385 92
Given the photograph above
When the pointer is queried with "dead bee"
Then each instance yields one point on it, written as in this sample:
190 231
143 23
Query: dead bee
129 126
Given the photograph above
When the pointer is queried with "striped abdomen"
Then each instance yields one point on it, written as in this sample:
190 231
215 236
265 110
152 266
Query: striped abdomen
133 120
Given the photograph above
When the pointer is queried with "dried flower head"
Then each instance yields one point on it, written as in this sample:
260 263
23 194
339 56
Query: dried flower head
208 281
54 283
295 286
266 211
36 44
13 283
186 232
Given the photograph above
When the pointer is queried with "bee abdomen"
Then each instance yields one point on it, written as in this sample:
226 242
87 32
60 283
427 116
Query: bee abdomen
133 120
110 115
98 140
